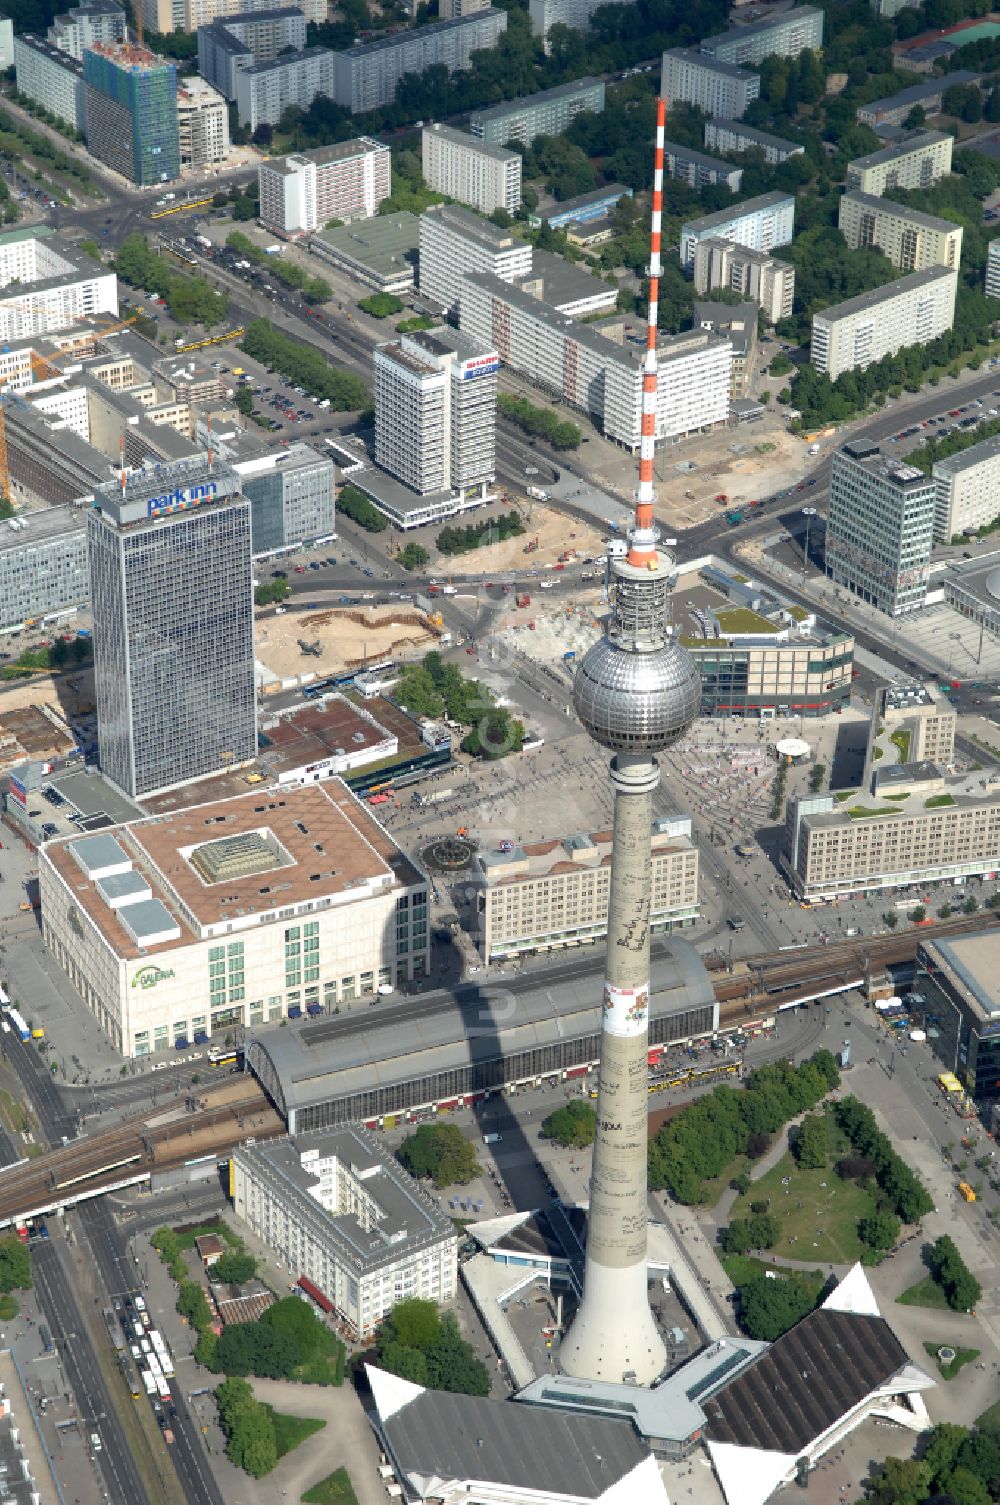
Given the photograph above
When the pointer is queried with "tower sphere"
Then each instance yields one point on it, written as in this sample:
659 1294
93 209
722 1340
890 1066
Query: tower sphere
637 702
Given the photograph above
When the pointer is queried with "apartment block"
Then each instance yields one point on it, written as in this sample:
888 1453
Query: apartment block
913 241
861 330
46 284
968 490
734 136
265 91
943 829
545 14
785 35
880 528
926 718
435 412
366 76
455 242
602 379
760 224
454 10
717 88
915 161
303 192
43 564
753 274
82 25
234 43
548 113
188 15
737 324
992 287
555 893
340 1211
202 123
928 96
698 170
132 112
51 78
470 170
808 674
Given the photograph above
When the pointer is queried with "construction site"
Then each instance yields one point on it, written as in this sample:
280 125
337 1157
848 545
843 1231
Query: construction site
299 646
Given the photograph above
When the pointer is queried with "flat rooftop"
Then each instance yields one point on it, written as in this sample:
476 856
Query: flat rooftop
289 60
563 282
880 295
760 28
917 92
760 138
383 245
473 227
248 858
470 143
971 963
570 854
918 141
932 792
700 159
323 156
41 525
532 101
401 39
763 202
704 60
317 731
888 206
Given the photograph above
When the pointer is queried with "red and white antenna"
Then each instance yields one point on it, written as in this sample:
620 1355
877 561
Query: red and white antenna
642 538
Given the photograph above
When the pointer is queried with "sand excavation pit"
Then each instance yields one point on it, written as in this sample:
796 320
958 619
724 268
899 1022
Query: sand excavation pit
334 640
742 465
554 532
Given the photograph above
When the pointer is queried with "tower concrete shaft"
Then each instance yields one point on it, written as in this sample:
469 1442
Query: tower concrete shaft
614 1336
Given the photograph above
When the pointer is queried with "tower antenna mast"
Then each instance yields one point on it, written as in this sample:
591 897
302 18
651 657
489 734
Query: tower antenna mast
642 540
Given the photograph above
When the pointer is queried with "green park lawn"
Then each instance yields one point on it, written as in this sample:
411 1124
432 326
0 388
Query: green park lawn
817 1213
926 1292
290 1431
335 1489
962 1357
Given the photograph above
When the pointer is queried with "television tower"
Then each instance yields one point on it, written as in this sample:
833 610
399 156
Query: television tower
636 691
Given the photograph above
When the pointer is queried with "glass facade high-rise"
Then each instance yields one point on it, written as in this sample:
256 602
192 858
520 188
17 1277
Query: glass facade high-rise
131 101
171 575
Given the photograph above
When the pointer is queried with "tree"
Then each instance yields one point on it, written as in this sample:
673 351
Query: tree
879 1231
381 305
571 1126
415 1341
15 1265
357 507
769 1308
414 1323
442 1152
193 1304
233 1268
900 1481
413 556
495 735
270 591
244 401
810 1146
304 366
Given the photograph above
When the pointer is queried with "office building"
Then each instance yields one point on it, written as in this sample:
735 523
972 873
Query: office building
956 983
262 906
6 42
737 324
545 14
202 124
917 160
341 1212
52 79
880 528
936 828
325 737
83 25
894 108
43 564
188 15
770 283
805 673
367 75
691 77
568 288
917 723
548 113
232 44
913 241
454 243
554 894
303 192
589 371
761 224
435 412
912 311
46 284
783 35
132 112
734 136
266 90
292 496
967 490
699 171
172 584
992 287
381 253
470 170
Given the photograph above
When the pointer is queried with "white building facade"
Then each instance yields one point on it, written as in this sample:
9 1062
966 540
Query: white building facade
760 224
51 78
46 285
202 124
335 1208
880 529
454 243
265 91
691 77
992 288
967 490
303 192
470 170
913 241
861 330
366 75
915 161
784 35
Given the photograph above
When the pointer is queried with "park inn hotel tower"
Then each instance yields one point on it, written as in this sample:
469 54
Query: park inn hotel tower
172 586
